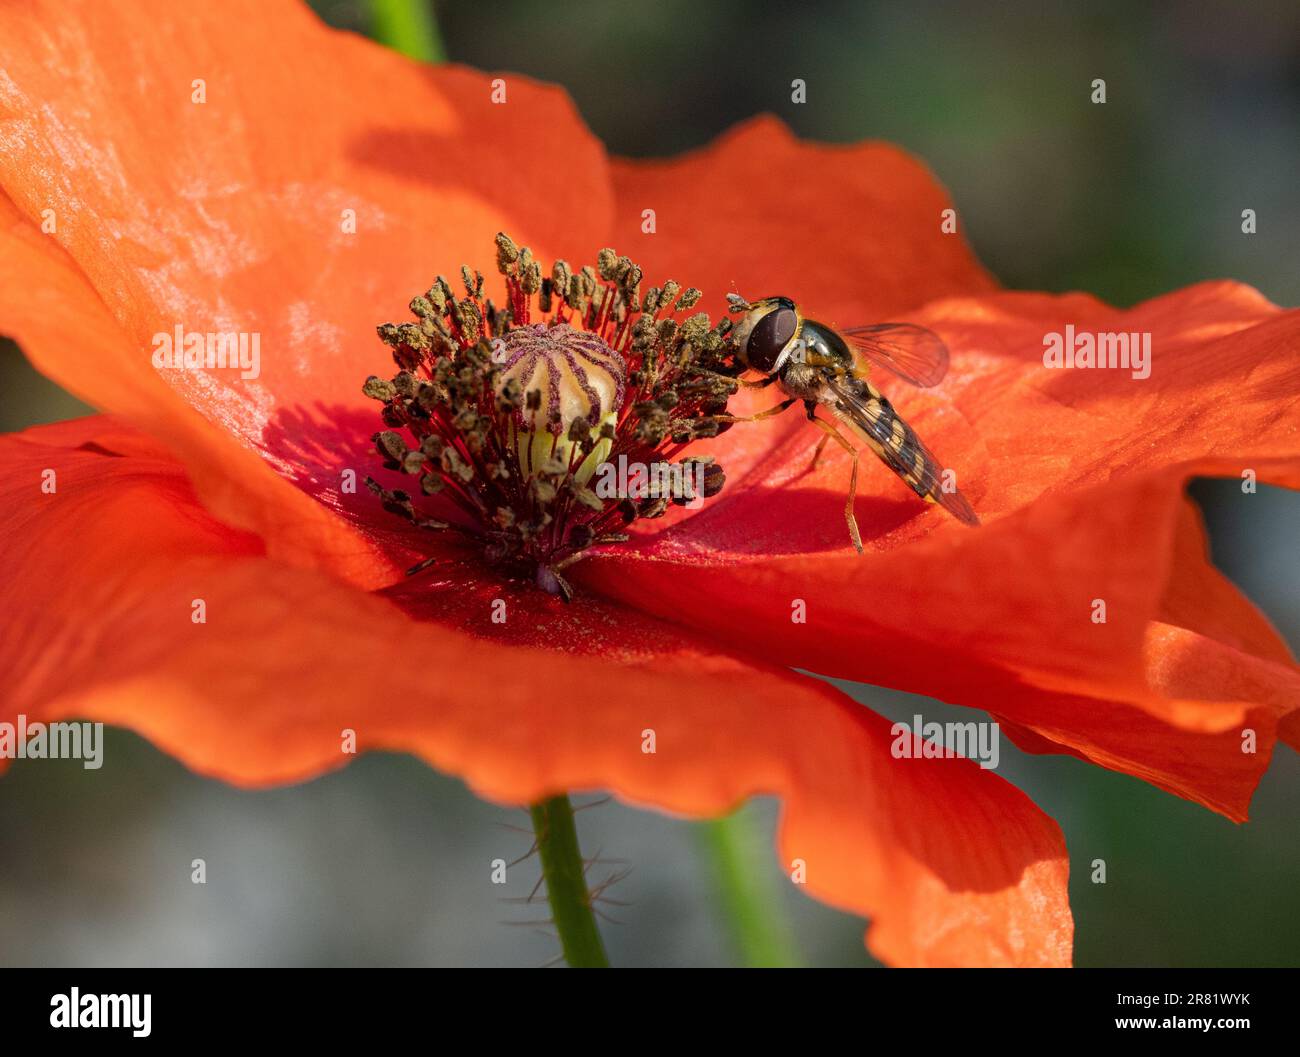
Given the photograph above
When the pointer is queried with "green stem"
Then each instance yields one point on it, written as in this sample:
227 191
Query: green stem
407 26
749 892
566 883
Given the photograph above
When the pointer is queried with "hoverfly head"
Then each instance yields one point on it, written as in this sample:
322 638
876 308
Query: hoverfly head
766 333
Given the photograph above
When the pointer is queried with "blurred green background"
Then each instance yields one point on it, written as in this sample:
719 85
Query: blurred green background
387 862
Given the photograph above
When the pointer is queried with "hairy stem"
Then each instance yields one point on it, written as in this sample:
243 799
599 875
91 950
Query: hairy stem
566 883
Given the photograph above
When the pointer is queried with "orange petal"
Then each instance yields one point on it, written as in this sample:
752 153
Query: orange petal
235 214
1288 730
953 865
1080 476
47 305
851 231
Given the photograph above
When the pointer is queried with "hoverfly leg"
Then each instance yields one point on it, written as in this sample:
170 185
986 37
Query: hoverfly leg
744 383
784 405
833 433
817 453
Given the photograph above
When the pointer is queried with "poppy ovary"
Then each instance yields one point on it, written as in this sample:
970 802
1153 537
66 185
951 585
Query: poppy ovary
575 385
520 411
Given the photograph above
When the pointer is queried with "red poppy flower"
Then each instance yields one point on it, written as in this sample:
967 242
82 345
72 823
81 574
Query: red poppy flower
320 182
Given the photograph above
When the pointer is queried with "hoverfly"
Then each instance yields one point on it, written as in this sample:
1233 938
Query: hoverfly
827 368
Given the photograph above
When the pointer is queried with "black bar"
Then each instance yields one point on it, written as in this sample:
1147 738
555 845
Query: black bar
341 1005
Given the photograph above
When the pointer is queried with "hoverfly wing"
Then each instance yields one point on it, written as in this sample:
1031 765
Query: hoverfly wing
915 354
873 418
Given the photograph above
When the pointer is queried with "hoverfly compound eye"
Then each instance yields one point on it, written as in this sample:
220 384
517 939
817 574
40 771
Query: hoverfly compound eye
770 336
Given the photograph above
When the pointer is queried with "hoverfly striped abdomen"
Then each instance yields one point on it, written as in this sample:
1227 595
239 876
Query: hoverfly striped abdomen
892 439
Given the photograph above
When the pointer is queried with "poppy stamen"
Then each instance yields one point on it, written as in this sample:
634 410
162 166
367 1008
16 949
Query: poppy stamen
516 410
